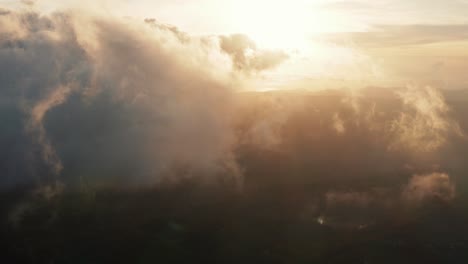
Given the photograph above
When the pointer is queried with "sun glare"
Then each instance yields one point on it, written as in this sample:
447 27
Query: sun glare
290 26
276 25
295 27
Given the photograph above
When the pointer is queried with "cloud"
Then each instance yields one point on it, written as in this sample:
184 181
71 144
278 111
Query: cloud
36 126
106 100
423 54
264 118
426 126
247 57
384 36
425 187
146 97
338 124
4 12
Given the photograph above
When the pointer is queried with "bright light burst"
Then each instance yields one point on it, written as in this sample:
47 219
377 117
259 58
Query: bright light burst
275 24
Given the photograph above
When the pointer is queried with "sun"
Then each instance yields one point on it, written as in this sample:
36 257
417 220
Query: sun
275 24
295 27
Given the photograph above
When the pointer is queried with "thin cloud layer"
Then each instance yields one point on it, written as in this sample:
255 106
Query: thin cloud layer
426 126
425 54
385 36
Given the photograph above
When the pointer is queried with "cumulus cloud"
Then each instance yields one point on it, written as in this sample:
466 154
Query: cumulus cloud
247 57
146 97
264 118
426 126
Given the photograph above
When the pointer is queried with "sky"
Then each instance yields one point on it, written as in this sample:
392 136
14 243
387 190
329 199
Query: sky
385 43
348 43
311 16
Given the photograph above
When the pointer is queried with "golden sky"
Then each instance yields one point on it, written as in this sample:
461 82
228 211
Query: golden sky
347 42
386 42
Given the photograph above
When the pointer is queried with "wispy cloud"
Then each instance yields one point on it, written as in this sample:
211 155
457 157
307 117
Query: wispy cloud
403 35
